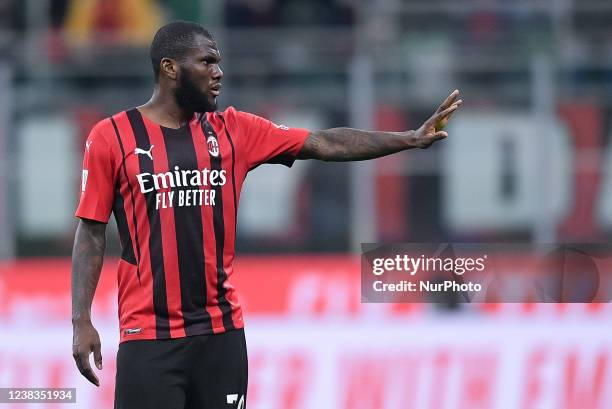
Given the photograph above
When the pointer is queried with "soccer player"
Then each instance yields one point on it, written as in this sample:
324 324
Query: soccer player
171 172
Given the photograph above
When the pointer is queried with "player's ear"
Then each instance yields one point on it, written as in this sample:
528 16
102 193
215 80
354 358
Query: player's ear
169 68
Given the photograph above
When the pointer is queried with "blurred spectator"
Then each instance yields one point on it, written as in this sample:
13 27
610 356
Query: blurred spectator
261 13
252 13
5 22
317 12
112 22
56 46
57 13
183 9
484 23
7 14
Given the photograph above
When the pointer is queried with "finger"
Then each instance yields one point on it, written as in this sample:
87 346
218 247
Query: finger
97 351
441 115
439 135
82 362
450 110
91 376
448 117
448 101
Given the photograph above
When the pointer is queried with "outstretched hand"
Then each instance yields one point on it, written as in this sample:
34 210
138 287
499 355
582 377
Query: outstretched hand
432 130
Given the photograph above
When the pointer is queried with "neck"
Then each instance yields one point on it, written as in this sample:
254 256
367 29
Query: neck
163 109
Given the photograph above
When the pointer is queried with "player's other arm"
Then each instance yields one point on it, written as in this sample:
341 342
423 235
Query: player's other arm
348 144
87 257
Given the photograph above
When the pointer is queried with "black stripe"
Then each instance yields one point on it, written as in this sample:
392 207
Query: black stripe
127 179
160 299
127 248
229 138
189 235
219 227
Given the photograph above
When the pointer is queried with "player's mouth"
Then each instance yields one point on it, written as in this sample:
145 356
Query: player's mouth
216 89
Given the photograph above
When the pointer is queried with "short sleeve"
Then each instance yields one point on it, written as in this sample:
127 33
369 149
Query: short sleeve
97 181
266 142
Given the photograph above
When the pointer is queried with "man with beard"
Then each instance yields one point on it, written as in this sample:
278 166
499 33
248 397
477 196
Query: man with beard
171 171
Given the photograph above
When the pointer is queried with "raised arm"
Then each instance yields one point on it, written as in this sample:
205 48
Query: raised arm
87 257
348 144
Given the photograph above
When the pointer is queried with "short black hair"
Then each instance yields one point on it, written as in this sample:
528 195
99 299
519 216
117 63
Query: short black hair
174 40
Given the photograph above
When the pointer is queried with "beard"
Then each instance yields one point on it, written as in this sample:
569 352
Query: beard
189 97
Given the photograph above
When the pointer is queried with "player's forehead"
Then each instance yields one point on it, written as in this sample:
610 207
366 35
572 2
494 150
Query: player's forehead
204 47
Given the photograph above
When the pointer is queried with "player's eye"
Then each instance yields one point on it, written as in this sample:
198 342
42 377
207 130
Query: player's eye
209 61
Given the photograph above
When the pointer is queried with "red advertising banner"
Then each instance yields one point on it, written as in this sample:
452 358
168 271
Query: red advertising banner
313 344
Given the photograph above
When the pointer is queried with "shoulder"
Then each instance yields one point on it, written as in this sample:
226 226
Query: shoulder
235 121
231 114
230 110
103 134
102 130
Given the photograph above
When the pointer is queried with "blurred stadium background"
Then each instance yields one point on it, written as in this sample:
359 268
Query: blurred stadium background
529 159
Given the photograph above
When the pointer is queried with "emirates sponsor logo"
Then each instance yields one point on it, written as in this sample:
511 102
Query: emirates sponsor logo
170 187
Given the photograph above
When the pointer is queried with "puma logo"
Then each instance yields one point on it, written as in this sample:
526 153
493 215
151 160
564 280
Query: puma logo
283 127
139 151
87 145
132 331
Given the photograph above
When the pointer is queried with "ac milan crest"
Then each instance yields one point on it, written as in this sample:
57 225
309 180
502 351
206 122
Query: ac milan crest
213 146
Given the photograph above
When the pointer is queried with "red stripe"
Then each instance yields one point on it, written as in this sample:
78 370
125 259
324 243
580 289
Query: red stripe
229 213
136 299
210 257
168 231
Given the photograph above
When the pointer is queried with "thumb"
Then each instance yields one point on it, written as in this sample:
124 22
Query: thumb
439 135
97 352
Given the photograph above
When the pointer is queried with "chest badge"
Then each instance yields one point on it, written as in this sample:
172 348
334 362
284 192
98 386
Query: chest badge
213 145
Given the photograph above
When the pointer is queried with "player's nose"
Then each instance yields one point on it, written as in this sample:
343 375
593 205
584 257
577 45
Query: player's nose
217 73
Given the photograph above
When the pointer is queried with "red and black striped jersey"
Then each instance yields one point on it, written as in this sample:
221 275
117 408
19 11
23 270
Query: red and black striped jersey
175 194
